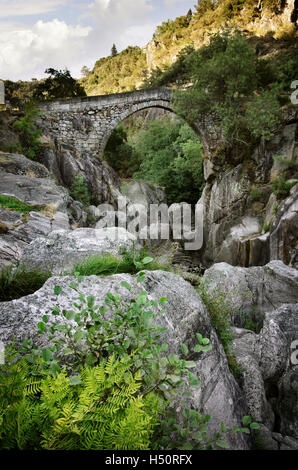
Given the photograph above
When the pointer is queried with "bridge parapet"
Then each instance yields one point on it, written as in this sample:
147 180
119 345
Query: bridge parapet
84 124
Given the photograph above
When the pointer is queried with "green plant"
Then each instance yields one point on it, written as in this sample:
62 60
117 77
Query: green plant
19 282
123 386
59 84
220 315
266 227
171 156
79 191
275 209
28 133
281 187
100 409
255 194
192 433
104 265
13 204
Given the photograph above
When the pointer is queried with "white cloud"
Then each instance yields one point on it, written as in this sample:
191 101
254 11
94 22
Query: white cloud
28 7
118 12
26 53
121 22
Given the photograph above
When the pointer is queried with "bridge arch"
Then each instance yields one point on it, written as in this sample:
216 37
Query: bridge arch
85 124
162 104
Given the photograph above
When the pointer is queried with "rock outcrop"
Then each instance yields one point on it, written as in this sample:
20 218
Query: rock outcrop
49 206
252 292
245 223
269 378
62 249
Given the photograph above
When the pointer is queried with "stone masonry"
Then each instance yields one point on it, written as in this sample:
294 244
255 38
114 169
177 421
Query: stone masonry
85 124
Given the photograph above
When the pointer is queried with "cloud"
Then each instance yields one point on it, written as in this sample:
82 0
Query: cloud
26 53
28 7
118 12
121 22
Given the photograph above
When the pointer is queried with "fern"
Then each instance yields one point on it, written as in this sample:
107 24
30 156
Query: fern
105 411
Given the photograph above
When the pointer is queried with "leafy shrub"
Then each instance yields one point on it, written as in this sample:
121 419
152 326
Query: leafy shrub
19 282
262 114
79 191
281 187
120 155
171 156
255 194
59 84
28 132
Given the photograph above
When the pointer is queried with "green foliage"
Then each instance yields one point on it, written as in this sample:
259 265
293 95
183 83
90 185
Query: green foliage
225 77
275 208
281 187
101 409
18 93
255 194
176 73
19 282
266 227
262 114
59 84
122 72
28 133
171 156
220 315
123 385
114 51
13 204
79 191
120 155
105 265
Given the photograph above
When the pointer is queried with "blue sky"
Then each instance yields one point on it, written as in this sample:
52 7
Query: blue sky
37 34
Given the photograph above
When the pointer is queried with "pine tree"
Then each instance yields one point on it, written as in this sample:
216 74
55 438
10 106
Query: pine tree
114 51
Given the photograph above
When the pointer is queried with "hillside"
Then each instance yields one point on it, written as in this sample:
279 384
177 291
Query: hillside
268 24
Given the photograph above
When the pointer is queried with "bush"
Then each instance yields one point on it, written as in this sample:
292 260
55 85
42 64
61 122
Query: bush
171 156
225 76
28 132
19 282
79 191
281 187
59 84
255 194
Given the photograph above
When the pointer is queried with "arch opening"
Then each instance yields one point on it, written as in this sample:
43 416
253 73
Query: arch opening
153 144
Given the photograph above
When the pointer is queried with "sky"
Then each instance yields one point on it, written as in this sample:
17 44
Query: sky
38 34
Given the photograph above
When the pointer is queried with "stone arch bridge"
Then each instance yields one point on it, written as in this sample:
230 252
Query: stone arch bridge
84 124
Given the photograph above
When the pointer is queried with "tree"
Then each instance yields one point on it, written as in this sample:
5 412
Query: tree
114 51
171 156
60 84
85 71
